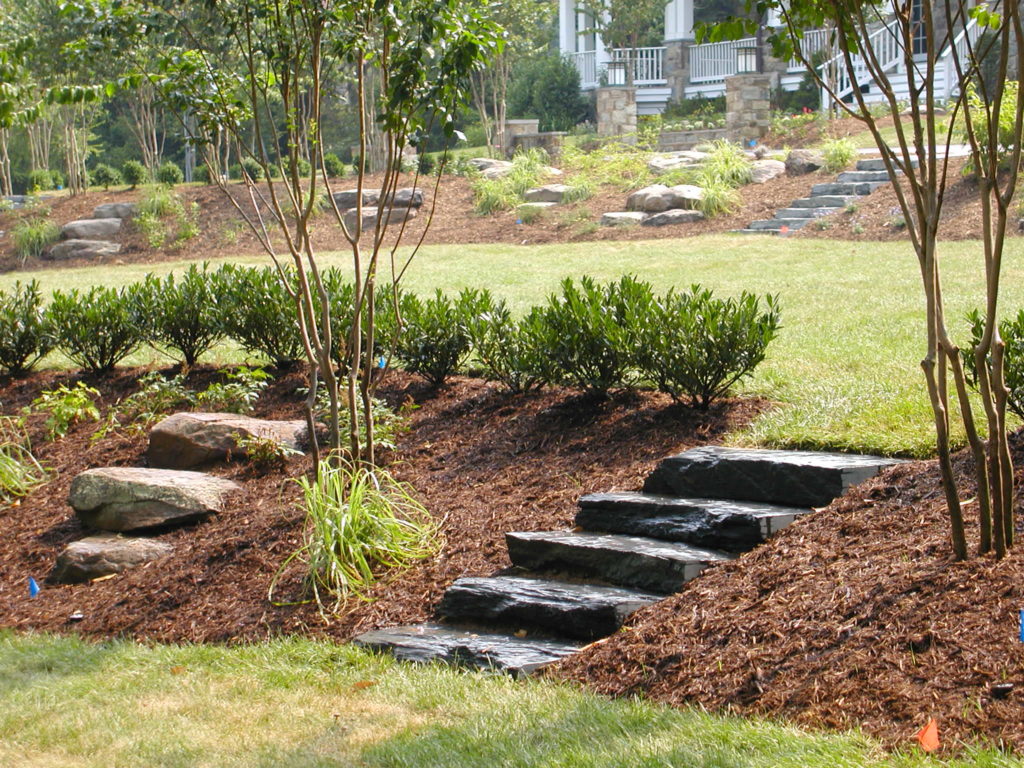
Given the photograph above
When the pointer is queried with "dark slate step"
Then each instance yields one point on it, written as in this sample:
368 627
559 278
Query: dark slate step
824 201
498 652
583 611
804 213
764 231
629 561
791 224
734 526
877 164
848 188
858 176
793 478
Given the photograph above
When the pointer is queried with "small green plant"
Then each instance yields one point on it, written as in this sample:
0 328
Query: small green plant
530 213
252 168
169 174
822 224
105 176
20 471
435 339
851 208
718 197
66 406
237 394
387 423
33 235
360 524
188 222
134 173
152 228
897 222
857 228
727 163
838 154
158 201
504 193
335 167
263 451
97 328
25 333
155 397
1011 330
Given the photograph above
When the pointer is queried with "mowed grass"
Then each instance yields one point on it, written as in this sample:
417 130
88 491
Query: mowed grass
297 702
845 369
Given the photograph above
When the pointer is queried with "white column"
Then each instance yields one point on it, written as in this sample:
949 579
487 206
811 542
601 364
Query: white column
567 40
679 20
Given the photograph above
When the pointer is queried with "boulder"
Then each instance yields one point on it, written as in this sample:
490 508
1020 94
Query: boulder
684 196
622 218
673 161
485 163
675 216
762 171
801 161
392 217
102 555
407 197
90 229
115 211
81 249
187 440
529 208
550 193
648 199
129 498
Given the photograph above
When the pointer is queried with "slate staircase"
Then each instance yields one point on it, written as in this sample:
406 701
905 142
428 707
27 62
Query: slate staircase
629 550
825 199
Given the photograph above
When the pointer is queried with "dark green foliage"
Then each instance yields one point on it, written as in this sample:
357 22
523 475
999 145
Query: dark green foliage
41 180
182 314
258 313
252 168
95 328
105 176
134 173
425 163
508 350
24 330
695 346
696 106
303 167
169 174
335 167
548 88
435 340
1011 331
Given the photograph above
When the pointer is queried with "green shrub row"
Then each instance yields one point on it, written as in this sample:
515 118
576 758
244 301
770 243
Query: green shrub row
596 337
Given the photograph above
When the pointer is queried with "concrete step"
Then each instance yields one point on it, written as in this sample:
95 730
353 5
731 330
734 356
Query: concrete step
848 188
858 176
756 232
792 478
804 213
824 201
583 611
733 526
629 561
877 164
778 224
493 651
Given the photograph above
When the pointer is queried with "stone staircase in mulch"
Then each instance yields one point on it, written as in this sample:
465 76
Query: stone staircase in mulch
629 550
825 199
129 507
91 238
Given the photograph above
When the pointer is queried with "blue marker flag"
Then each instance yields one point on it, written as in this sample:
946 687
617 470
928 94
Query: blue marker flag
1022 626
33 588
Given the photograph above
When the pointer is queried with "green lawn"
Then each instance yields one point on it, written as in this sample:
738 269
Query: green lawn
299 703
844 368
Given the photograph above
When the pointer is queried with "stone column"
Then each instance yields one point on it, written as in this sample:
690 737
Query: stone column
677 67
616 111
747 106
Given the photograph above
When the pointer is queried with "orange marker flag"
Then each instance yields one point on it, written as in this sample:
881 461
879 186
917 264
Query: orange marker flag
928 737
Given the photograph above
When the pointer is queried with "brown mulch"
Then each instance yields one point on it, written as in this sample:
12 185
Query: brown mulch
856 616
482 461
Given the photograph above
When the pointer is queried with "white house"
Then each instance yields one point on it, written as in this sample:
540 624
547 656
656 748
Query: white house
680 68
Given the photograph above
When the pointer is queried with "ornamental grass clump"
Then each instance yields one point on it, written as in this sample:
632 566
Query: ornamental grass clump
361 523
20 471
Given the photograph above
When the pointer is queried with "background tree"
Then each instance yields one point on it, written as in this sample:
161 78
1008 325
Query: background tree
626 24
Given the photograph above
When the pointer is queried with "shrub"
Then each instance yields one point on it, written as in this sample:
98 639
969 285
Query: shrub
238 393
263 451
183 313
335 167
169 174
435 339
66 406
105 176
548 87
152 228
134 173
32 237
25 334
158 201
508 351
425 163
1011 330
838 154
258 313
97 328
303 166
252 168
695 347
40 180
359 523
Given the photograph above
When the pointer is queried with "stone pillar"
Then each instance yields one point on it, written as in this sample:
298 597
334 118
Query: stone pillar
677 67
747 106
616 111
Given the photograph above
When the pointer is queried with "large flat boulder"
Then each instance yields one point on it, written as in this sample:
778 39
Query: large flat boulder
115 211
392 217
674 216
90 229
763 171
407 197
622 218
549 193
187 440
104 554
801 161
673 161
81 249
130 498
687 196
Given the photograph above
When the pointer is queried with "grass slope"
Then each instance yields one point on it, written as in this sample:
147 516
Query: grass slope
297 703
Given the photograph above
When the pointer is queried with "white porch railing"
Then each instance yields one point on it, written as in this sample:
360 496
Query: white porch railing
586 64
813 41
959 50
648 64
888 54
712 62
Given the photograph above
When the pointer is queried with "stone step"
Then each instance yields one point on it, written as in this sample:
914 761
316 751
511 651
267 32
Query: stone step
115 211
849 188
498 652
192 439
778 224
90 229
760 231
129 498
102 555
733 526
824 201
804 213
629 561
877 164
793 478
81 249
583 611
858 176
